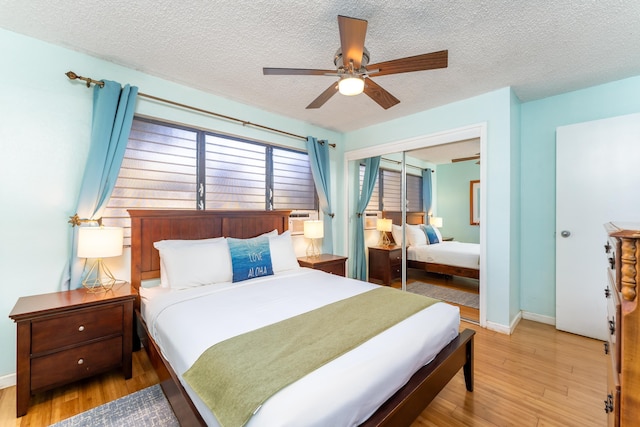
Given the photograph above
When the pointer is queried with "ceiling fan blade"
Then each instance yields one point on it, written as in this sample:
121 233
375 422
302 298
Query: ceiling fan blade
352 34
378 94
427 61
464 159
296 72
324 96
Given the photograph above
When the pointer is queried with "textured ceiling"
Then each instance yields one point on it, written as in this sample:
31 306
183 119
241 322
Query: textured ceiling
220 46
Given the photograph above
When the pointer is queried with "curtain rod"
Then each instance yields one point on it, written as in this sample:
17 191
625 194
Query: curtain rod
398 162
90 81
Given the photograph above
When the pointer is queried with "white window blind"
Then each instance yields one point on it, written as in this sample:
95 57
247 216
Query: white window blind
164 164
235 174
374 202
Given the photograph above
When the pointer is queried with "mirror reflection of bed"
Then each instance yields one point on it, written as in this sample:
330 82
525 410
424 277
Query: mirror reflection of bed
447 270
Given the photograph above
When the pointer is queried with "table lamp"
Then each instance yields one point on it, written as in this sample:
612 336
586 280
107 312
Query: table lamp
436 221
383 225
313 229
99 243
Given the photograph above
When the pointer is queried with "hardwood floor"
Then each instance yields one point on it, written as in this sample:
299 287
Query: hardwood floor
536 377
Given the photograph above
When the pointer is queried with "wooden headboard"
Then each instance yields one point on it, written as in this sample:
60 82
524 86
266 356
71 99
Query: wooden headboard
149 226
396 217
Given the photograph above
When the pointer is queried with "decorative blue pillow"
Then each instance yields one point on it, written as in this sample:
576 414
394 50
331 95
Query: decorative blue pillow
250 258
432 237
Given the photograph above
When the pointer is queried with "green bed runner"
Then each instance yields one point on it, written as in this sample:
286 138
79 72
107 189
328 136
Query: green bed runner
234 377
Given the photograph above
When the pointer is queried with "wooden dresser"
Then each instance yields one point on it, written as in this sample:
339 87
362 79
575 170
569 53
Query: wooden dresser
334 264
385 264
70 335
622 402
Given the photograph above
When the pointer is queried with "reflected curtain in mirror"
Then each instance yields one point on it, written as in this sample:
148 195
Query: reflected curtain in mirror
427 193
372 165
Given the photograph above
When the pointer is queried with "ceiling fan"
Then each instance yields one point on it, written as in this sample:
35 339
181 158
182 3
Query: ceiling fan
464 159
355 72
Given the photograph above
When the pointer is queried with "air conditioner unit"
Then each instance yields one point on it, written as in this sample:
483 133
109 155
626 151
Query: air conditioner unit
297 219
371 219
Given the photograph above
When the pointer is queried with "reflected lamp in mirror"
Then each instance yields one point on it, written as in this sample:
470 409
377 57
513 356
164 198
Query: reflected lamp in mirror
313 230
98 243
436 221
383 225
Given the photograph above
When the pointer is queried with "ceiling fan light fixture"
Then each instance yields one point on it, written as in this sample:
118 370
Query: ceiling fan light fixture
351 86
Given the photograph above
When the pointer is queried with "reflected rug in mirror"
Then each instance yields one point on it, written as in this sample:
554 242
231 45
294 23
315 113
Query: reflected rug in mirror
147 407
455 296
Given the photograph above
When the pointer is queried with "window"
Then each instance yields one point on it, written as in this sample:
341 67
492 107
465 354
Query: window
166 166
387 191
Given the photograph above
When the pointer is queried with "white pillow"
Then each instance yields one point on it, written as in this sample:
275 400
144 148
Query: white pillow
165 244
396 232
200 264
415 235
283 257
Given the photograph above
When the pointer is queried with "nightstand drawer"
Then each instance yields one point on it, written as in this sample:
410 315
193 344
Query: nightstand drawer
57 332
75 363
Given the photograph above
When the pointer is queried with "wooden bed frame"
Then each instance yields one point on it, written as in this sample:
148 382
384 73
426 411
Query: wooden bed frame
429 267
148 226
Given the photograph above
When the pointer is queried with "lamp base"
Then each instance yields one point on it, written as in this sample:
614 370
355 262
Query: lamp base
312 249
384 239
99 278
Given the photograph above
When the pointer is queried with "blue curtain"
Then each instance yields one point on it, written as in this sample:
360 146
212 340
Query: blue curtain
370 175
426 193
113 108
320 169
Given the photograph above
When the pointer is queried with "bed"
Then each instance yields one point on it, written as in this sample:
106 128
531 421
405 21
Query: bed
447 257
395 407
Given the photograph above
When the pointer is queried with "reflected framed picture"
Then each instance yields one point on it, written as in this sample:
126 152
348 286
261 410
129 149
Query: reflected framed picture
474 202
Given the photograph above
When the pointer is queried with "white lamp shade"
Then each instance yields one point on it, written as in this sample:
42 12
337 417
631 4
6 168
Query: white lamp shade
436 221
351 86
99 242
383 224
314 229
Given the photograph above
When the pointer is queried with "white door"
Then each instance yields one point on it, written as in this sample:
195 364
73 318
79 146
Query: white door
597 181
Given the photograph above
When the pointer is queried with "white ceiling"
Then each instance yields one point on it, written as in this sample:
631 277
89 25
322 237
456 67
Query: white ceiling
220 46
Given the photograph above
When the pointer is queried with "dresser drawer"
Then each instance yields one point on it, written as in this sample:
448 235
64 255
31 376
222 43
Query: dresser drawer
76 363
612 400
614 316
69 329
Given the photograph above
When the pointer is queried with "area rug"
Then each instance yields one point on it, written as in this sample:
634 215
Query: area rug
455 296
147 407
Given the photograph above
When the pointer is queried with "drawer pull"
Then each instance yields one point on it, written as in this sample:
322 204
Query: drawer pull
81 328
607 293
612 262
80 361
606 348
608 404
607 247
612 327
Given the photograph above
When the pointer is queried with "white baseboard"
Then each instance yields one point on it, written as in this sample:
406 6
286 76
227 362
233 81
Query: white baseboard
539 318
8 381
504 329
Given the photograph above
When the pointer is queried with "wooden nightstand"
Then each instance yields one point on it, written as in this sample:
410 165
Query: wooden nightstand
66 336
333 264
385 263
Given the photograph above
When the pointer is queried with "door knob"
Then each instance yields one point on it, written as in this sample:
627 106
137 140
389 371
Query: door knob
565 233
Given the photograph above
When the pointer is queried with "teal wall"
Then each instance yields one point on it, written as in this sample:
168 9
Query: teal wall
44 135
452 200
537 188
45 124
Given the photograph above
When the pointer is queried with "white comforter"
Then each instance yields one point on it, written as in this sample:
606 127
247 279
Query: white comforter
457 254
344 392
